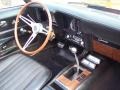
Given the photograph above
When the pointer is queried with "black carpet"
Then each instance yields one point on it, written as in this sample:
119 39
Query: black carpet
51 60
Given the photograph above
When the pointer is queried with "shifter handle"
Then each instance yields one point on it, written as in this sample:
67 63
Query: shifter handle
73 49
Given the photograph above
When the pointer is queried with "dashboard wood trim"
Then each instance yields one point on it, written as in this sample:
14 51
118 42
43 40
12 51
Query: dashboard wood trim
106 50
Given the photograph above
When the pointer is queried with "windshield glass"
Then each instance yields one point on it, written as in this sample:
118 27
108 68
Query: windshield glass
10 3
112 4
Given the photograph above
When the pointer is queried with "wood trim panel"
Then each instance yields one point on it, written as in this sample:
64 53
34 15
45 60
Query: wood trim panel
116 54
71 84
106 50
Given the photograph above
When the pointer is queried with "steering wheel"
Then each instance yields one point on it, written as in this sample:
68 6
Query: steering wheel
36 28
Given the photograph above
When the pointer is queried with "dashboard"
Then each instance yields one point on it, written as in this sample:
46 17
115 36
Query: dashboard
90 36
73 29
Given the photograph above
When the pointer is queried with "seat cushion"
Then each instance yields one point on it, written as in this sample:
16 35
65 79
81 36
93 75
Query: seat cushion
19 72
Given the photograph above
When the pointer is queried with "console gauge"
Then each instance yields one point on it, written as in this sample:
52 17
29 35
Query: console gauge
75 25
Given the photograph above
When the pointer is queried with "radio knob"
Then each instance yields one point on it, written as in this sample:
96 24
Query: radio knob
68 36
82 43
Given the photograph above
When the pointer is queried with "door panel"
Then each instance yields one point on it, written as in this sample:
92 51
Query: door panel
6 29
7 21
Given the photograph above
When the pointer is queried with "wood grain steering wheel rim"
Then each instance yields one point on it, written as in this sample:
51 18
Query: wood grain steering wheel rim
48 33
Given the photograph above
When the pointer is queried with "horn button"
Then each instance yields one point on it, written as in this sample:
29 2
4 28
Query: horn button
37 28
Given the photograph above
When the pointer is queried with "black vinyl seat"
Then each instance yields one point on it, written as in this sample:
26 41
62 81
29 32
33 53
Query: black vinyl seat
19 72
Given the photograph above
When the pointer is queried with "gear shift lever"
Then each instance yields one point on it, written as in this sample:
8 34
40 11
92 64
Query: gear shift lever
74 51
71 78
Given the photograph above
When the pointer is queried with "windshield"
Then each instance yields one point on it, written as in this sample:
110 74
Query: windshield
112 4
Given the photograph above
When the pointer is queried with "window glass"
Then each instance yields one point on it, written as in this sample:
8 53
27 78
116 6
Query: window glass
10 3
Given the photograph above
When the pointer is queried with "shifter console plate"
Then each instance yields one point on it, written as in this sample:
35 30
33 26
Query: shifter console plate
71 84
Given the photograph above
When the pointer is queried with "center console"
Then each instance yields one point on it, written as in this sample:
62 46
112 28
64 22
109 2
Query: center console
66 79
67 82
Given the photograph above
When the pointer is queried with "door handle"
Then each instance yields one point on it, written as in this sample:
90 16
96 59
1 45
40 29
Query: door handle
3 23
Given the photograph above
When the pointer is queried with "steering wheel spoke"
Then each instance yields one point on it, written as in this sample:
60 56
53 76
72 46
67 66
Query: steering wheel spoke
44 31
30 18
31 38
26 20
